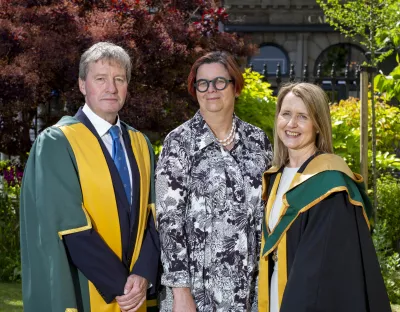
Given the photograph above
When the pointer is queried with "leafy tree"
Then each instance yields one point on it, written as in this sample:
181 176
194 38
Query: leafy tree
41 42
389 86
370 23
346 139
374 24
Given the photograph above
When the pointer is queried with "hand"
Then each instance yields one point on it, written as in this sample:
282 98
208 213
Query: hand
183 300
134 294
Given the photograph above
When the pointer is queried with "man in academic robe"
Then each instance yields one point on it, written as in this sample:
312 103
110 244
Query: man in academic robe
88 237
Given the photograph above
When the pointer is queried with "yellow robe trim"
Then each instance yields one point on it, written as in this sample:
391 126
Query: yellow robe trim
282 268
142 156
79 229
99 198
320 163
152 303
281 243
263 277
263 282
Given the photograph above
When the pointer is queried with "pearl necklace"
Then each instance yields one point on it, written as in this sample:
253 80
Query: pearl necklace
231 136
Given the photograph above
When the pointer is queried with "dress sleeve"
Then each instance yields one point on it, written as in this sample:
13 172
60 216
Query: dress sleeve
268 151
335 267
171 202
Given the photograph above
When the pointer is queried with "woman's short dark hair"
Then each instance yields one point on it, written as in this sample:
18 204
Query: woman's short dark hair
224 58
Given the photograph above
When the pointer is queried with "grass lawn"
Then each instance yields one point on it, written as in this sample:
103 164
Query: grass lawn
10 297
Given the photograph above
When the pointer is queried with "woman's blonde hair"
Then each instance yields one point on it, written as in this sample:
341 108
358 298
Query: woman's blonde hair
317 104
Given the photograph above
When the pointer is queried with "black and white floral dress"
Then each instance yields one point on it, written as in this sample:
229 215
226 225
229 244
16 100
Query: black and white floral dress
209 214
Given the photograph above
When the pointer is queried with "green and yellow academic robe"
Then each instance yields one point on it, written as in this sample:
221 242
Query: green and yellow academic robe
326 258
68 189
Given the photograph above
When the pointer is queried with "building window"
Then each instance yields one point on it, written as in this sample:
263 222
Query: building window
339 54
272 55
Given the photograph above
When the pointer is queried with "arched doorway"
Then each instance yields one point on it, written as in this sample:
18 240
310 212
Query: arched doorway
272 55
339 54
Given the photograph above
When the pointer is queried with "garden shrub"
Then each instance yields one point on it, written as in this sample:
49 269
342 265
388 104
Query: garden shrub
157 147
389 86
346 134
386 234
10 263
388 193
256 104
389 260
346 141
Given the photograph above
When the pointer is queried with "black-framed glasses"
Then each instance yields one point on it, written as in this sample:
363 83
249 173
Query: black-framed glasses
219 83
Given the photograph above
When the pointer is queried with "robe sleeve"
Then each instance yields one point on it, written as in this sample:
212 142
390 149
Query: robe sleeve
148 262
47 282
91 255
335 267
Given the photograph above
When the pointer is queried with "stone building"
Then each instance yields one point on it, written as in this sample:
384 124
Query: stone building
292 32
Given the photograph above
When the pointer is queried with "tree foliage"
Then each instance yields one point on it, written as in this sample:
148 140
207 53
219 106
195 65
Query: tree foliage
370 23
374 23
41 42
389 86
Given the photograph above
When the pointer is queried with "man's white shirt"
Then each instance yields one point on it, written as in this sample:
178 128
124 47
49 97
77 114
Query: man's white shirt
102 127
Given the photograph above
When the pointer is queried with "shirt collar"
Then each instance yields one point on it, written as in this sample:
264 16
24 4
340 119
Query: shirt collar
204 136
102 126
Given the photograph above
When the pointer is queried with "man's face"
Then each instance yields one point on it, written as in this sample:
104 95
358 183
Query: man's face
105 88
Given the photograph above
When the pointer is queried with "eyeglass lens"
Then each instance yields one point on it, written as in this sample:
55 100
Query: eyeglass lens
219 83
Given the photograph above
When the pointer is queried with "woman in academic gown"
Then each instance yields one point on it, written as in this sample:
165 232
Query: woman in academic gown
317 253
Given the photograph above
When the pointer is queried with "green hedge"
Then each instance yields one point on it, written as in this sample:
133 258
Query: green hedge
10 263
256 104
346 134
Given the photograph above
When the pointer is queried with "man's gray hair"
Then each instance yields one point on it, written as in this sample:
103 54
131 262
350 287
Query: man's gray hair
105 50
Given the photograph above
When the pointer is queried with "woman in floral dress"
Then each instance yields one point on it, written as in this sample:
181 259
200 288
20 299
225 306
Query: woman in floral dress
208 189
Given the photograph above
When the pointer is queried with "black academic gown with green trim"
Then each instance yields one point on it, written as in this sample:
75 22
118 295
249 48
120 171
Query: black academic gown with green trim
330 258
